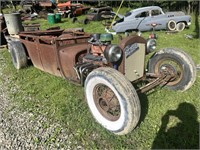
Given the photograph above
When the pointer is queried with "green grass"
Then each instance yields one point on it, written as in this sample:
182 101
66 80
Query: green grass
63 102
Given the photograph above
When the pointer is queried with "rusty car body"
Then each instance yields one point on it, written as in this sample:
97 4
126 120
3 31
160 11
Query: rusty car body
37 6
106 70
97 12
70 10
54 49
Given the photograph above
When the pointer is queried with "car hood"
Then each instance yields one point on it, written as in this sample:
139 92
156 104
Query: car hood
118 15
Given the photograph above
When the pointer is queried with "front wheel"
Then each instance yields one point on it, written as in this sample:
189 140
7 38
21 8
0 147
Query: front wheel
112 100
180 26
176 62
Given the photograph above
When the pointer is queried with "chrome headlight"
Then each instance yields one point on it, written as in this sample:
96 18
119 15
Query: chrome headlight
113 53
151 45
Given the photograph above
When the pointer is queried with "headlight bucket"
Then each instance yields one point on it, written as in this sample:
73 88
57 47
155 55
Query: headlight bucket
113 53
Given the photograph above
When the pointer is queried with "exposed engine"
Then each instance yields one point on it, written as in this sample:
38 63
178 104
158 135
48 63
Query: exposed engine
102 50
100 53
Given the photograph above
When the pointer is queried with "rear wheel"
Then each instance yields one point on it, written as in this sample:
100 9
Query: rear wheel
18 54
74 20
64 15
112 100
171 25
70 15
85 21
176 62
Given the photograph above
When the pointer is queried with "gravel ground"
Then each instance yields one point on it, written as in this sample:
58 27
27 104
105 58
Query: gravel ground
23 130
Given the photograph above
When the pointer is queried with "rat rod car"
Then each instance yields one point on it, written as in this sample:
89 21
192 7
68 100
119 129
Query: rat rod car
96 14
141 18
70 10
105 70
37 6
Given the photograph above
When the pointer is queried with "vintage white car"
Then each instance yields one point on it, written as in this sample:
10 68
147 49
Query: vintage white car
142 19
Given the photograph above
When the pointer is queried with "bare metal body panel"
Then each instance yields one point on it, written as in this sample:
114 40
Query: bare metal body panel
55 52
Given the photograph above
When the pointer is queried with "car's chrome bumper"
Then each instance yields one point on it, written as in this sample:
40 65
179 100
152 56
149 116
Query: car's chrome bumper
189 23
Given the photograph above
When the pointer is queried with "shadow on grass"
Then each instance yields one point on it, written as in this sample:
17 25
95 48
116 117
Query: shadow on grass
143 101
144 106
185 135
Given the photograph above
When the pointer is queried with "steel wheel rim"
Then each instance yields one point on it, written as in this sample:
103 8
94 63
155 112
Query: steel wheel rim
174 66
106 102
172 25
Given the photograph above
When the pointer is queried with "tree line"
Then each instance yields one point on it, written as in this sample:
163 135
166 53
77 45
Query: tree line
188 6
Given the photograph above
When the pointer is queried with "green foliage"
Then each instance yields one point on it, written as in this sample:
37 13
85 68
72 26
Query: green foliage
63 102
167 5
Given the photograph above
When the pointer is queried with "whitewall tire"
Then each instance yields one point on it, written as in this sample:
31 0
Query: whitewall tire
112 100
180 26
171 25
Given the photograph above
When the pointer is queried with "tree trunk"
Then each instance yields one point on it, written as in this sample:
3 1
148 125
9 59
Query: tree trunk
189 7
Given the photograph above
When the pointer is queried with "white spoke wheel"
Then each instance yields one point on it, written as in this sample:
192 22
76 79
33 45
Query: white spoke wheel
180 26
177 62
171 25
112 100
